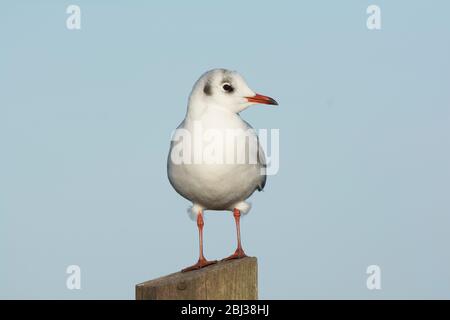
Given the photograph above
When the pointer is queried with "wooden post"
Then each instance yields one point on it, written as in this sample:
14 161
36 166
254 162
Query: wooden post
228 280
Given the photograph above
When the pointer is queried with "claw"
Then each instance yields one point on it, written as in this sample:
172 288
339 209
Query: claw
238 254
200 264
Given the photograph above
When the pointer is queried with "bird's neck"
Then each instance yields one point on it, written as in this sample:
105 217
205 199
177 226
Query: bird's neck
196 111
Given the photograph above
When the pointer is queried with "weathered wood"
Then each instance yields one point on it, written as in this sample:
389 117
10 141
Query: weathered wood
228 280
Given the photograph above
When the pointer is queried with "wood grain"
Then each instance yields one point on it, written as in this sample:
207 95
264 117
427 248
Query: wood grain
229 280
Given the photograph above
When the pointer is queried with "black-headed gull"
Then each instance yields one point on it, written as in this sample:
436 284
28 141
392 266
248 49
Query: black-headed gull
210 159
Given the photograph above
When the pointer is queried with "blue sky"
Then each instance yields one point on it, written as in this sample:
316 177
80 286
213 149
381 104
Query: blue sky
85 123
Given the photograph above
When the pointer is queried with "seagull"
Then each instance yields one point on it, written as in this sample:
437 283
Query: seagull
215 102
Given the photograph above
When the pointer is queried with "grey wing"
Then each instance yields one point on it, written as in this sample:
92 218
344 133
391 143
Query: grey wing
261 161
262 164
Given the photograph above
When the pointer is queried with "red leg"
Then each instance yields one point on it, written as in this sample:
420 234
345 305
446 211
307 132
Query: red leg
239 253
202 262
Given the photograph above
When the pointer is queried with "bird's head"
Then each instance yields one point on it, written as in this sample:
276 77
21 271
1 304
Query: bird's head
225 89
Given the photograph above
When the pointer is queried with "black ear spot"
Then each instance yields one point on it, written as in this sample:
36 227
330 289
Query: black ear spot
207 89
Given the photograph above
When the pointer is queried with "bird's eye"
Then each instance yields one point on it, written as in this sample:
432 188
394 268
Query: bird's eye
227 87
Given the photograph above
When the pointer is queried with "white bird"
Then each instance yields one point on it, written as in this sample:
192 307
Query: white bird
213 110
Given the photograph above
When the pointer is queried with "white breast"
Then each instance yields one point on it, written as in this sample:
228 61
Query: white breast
217 186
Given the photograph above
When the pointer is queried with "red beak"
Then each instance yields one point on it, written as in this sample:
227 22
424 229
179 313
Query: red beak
259 98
